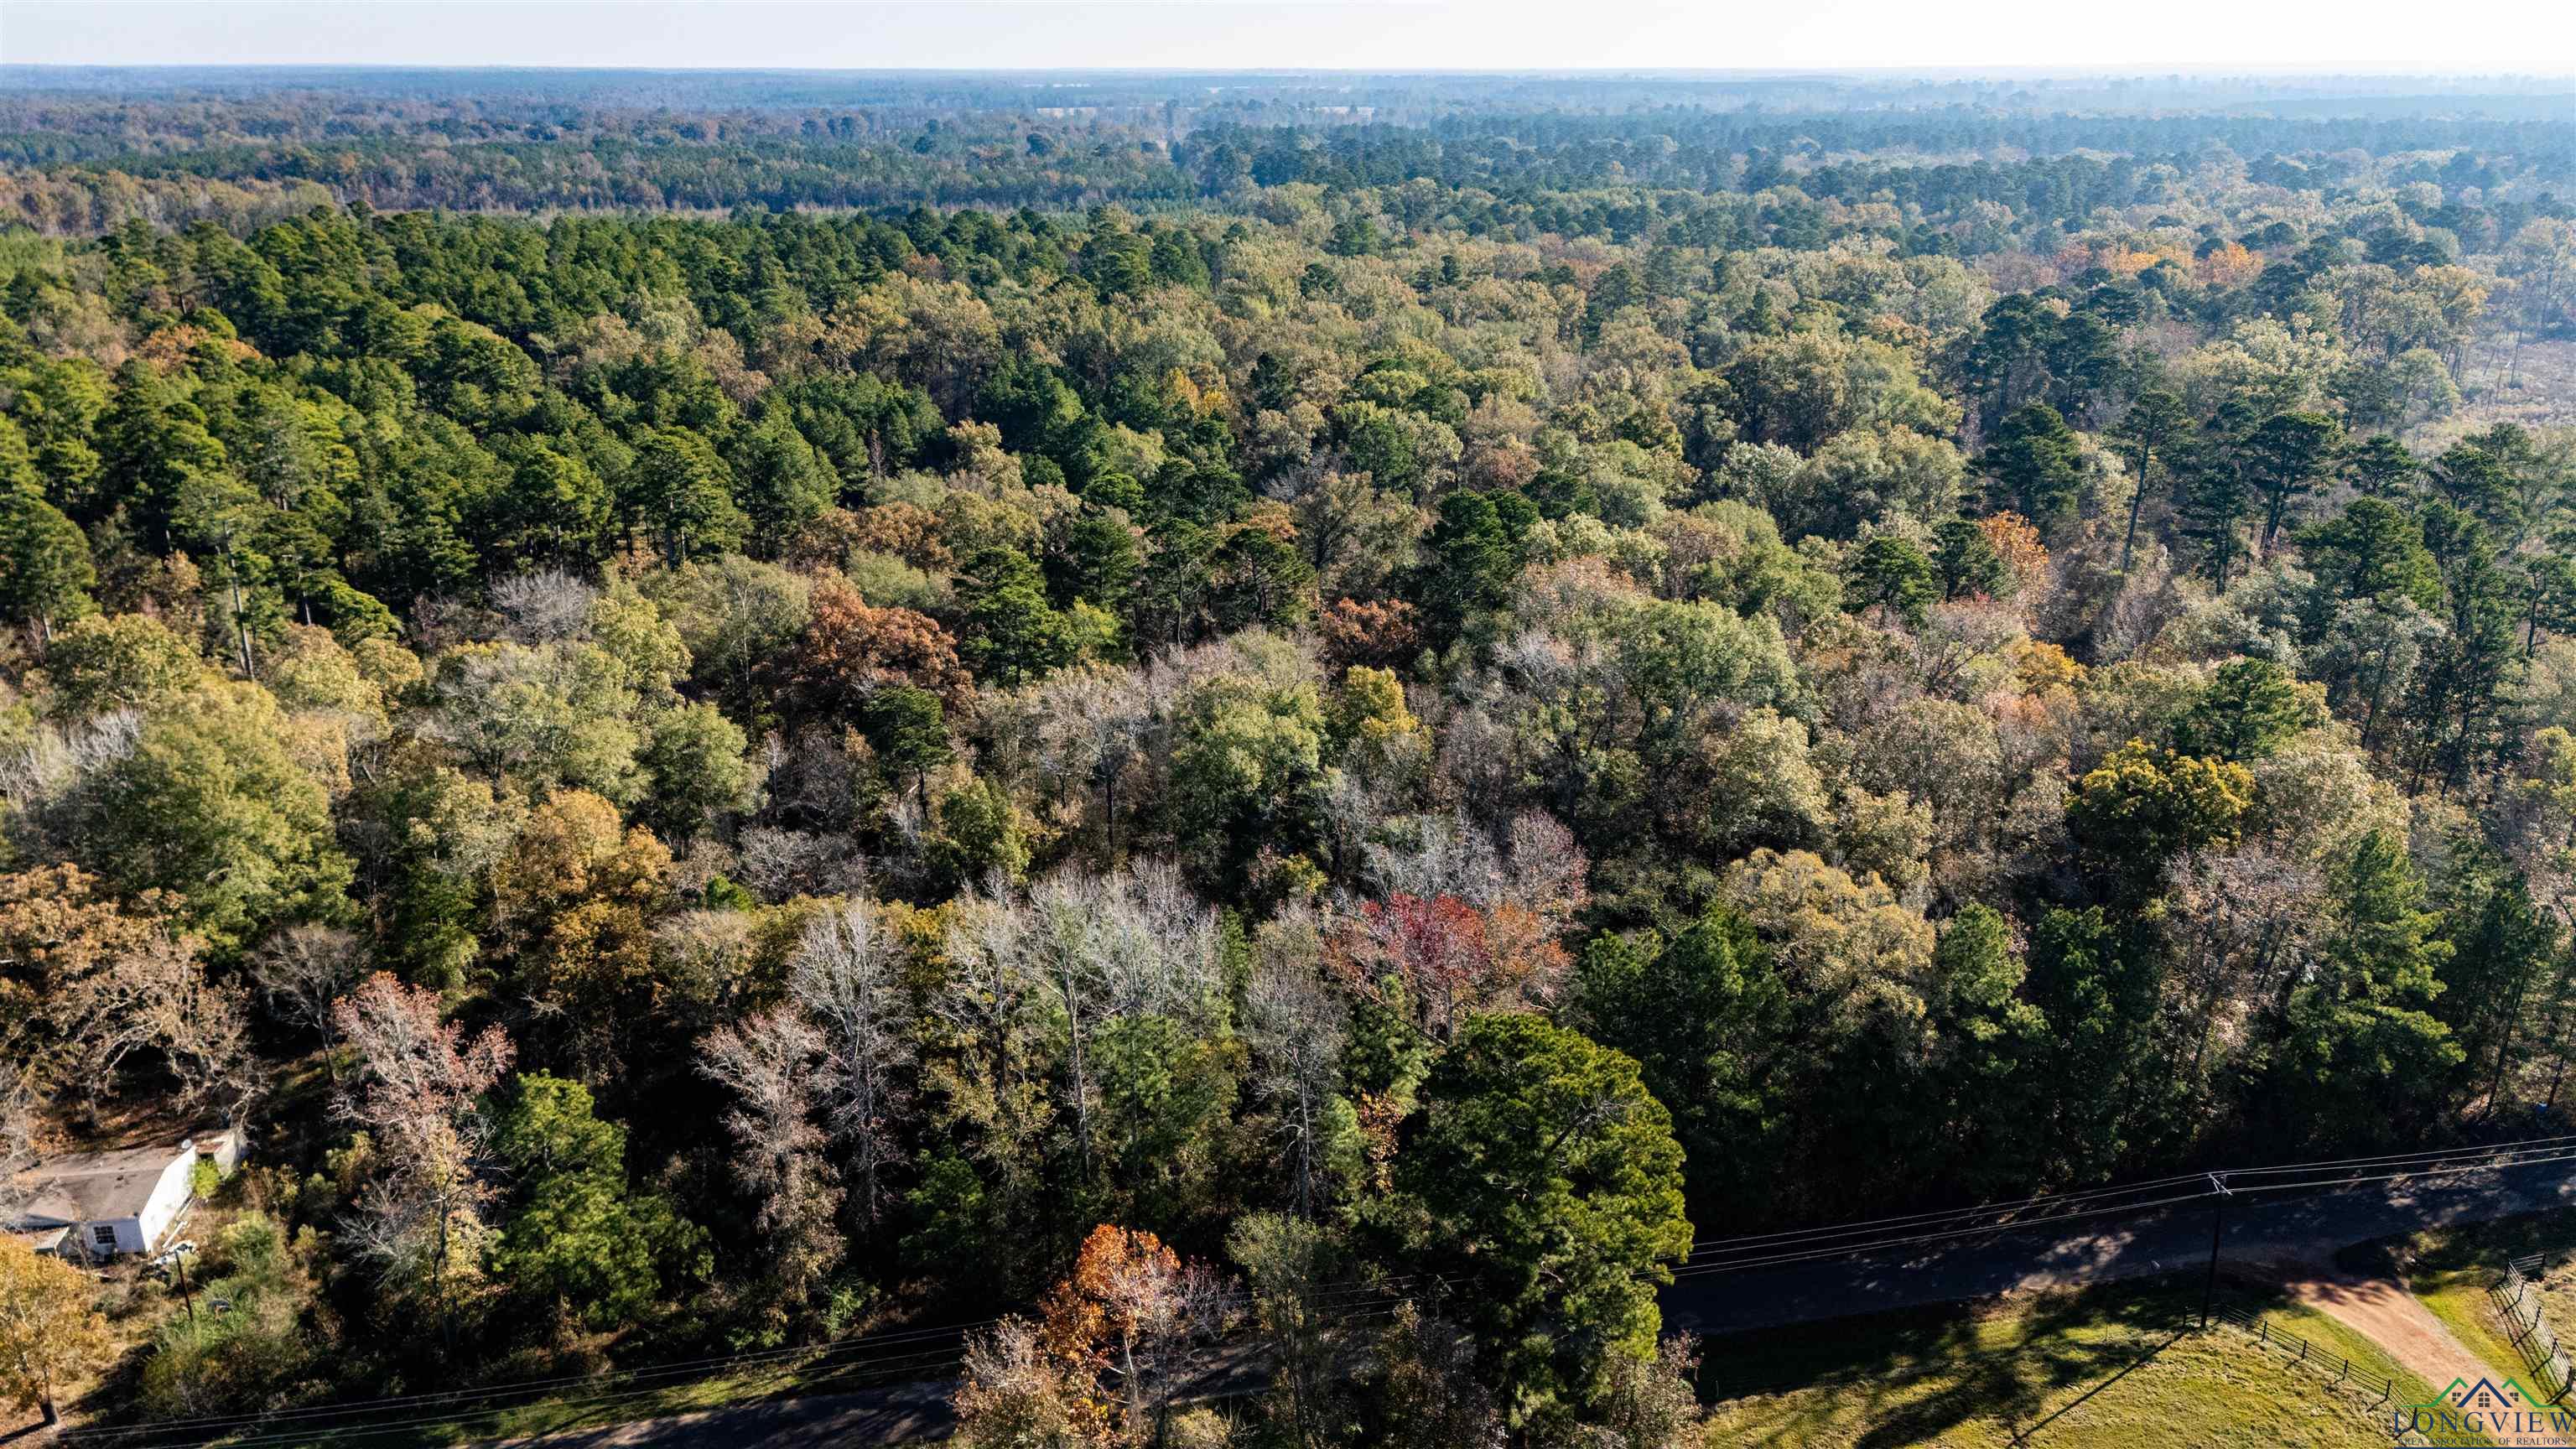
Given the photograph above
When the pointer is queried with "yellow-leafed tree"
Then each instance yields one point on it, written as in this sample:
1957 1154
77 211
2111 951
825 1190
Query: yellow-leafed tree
50 1330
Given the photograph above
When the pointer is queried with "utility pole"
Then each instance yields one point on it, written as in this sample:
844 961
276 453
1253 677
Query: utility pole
185 1294
2217 1227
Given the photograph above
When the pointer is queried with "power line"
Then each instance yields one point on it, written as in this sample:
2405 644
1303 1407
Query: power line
1692 1269
2451 1162
2087 1196
2036 1204
2533 1144
2444 1171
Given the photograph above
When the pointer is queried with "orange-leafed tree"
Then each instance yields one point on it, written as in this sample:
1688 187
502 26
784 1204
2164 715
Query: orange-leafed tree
1134 1320
2016 543
851 650
1119 1340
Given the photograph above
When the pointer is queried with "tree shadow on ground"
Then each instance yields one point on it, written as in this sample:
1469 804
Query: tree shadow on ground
2020 1362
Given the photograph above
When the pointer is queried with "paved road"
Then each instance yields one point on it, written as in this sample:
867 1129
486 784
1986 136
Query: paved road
2259 1229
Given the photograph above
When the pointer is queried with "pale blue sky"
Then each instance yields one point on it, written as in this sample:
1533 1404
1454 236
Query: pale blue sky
2464 36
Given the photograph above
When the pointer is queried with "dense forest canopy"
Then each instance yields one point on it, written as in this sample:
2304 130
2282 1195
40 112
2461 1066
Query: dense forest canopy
733 710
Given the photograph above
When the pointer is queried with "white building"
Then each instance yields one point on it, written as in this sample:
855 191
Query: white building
89 1205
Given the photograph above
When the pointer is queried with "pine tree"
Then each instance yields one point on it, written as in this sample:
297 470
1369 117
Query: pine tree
2034 461
45 569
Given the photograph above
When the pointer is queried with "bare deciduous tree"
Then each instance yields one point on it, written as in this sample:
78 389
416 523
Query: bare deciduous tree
1015 1391
303 971
768 1064
1536 866
2241 924
412 1089
1088 951
1296 1026
545 605
844 975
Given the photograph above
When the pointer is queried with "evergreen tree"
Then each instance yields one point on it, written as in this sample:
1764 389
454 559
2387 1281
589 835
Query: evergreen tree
2034 460
45 570
2361 1052
1544 1180
1011 632
2288 455
2155 424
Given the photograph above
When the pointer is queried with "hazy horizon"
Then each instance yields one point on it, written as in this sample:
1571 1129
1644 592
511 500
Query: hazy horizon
2022 37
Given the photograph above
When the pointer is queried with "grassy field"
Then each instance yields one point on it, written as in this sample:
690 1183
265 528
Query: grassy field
2104 1369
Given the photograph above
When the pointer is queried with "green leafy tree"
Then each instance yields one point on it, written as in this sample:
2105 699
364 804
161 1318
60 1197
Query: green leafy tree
2361 1049
2290 454
2096 980
1708 1020
681 494
1966 560
785 483
1260 580
2250 708
1988 1093
979 836
1469 559
2380 467
2035 461
2140 807
2155 424
1247 770
700 768
2374 551
119 661
1890 574
2503 952
2215 492
576 1236
211 805
45 569
1011 633
1543 1180
556 510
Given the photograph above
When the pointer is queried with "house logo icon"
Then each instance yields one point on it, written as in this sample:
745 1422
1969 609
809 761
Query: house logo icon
2488 1396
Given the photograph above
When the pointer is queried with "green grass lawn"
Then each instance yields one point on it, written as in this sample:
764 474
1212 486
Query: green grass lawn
2101 1369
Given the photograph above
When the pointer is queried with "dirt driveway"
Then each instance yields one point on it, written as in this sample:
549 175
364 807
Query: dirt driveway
2386 1314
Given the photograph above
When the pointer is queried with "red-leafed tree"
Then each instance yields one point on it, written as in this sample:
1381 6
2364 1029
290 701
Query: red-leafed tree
1449 958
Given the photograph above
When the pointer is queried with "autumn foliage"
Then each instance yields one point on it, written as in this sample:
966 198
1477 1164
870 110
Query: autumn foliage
850 650
1116 1343
1444 957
